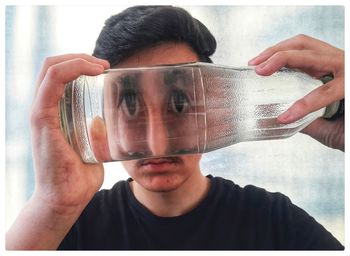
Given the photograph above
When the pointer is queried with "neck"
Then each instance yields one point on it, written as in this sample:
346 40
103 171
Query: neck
176 202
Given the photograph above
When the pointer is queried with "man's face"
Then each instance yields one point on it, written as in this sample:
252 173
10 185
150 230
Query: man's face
157 173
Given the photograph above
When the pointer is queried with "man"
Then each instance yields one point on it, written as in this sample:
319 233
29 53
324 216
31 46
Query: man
167 203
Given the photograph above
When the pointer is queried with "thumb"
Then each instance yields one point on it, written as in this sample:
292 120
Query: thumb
98 140
329 133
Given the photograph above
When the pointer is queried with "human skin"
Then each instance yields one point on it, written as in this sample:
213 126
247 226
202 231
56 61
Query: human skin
166 186
64 184
149 107
316 58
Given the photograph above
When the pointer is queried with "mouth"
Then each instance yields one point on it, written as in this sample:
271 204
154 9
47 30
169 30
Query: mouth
159 164
158 160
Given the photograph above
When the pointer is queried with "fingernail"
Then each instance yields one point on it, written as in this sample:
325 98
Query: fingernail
99 68
252 61
103 62
284 117
107 64
261 69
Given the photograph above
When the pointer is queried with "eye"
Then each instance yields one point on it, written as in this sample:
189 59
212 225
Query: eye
129 103
178 101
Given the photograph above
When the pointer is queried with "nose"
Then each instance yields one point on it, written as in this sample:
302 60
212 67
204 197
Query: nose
157 134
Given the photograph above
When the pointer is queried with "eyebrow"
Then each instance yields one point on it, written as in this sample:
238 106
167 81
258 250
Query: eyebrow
172 76
129 81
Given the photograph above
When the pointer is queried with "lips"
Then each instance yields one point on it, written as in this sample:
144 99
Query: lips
159 164
157 161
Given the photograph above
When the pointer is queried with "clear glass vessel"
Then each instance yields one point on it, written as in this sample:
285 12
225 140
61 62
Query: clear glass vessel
135 113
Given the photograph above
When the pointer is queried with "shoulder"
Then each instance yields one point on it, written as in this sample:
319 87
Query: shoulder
105 204
254 200
292 226
108 198
118 189
101 220
249 194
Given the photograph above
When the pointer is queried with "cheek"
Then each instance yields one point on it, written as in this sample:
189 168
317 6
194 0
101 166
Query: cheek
191 162
130 167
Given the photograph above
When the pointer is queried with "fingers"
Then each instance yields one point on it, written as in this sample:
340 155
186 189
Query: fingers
51 61
315 100
299 42
57 75
329 133
99 140
309 61
56 72
312 56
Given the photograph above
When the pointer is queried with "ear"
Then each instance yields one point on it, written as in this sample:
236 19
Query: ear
99 141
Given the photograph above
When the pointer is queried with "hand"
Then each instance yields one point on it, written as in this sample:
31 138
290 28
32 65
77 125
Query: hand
99 140
316 58
63 183
62 179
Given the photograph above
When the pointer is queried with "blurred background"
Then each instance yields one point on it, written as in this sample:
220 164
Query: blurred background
311 174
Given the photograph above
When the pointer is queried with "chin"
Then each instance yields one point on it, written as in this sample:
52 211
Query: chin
162 174
161 183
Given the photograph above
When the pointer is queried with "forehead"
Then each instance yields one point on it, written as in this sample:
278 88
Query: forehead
163 77
165 53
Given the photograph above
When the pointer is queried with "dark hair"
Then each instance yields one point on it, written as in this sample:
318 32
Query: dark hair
141 27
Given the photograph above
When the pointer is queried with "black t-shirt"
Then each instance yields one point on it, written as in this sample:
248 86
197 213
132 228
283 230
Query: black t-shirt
230 217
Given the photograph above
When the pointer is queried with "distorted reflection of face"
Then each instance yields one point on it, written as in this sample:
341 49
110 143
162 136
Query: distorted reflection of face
151 113
163 103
